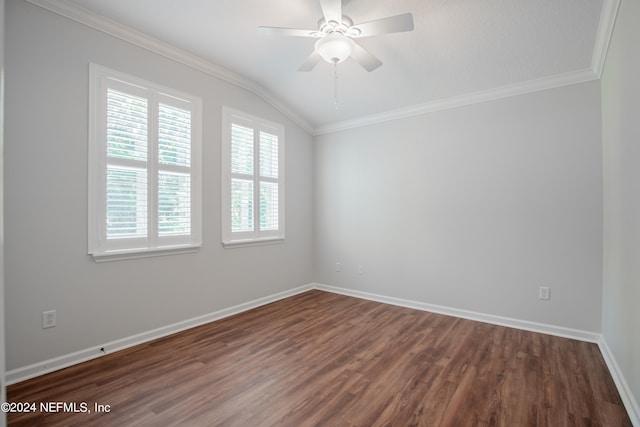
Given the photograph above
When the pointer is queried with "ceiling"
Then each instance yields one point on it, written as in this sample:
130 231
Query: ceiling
458 47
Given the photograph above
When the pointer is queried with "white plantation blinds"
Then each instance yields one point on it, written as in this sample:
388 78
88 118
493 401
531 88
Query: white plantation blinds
268 181
242 196
144 190
174 177
126 188
253 202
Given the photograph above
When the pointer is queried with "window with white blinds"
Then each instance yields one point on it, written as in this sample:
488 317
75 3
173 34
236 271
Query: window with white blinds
144 167
252 180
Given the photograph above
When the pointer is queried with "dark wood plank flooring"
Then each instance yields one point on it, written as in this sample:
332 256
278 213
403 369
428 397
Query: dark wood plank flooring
321 359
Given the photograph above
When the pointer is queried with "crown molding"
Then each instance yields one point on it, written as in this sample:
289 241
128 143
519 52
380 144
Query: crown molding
145 41
551 82
113 28
603 36
606 25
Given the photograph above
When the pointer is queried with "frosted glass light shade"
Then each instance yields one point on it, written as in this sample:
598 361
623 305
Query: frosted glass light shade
334 48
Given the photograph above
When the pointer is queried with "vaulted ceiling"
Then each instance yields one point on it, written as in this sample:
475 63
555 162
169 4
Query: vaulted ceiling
460 50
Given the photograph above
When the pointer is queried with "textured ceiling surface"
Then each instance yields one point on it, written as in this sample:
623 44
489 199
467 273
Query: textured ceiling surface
457 47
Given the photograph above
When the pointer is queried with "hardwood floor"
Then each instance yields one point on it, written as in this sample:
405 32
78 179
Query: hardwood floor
321 359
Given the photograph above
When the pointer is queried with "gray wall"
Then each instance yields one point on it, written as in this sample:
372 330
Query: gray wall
47 266
621 142
472 208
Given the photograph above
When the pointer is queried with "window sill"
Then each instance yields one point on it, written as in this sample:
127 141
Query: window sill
143 253
258 242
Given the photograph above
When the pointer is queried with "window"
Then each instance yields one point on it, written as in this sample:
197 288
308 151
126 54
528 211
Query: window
144 168
252 180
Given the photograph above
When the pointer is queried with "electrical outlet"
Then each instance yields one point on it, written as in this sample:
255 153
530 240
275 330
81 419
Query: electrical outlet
338 267
48 319
360 269
545 293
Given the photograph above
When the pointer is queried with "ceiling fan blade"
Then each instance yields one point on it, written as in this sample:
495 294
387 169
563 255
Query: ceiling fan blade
364 58
332 10
311 62
392 24
277 31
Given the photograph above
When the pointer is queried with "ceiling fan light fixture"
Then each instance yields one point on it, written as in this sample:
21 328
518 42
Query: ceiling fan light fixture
334 48
352 32
330 27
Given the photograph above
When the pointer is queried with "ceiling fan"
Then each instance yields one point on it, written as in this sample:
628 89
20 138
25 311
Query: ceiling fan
336 33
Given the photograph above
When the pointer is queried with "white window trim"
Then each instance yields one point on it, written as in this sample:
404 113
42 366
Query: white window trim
235 240
97 246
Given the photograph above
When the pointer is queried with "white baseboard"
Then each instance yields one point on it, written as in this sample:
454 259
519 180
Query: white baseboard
41 368
471 315
630 402
628 399
50 365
